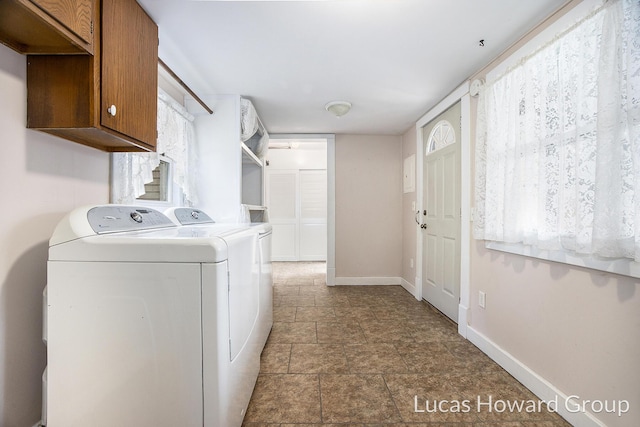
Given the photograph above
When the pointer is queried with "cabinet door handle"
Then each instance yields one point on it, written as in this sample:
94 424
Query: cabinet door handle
112 110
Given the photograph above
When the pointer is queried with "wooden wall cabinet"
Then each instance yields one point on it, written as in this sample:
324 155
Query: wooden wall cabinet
107 100
47 26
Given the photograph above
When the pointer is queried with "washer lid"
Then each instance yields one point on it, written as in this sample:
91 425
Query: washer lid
116 233
92 220
113 218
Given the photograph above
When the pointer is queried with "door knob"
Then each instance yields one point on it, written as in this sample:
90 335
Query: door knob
112 110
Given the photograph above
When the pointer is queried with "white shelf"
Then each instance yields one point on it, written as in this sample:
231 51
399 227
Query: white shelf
248 156
256 207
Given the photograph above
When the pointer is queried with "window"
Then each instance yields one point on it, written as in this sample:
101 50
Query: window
558 143
170 176
158 190
441 135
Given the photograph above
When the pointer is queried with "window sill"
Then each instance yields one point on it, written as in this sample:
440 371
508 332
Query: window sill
622 266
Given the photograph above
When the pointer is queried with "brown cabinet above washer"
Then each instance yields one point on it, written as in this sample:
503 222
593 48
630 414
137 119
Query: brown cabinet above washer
47 26
108 100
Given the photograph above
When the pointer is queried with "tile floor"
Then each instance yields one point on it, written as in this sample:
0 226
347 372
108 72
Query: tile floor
356 356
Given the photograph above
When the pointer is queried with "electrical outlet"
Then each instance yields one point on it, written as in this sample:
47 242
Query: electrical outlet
482 299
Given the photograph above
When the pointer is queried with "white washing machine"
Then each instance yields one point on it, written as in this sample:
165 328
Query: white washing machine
188 216
149 323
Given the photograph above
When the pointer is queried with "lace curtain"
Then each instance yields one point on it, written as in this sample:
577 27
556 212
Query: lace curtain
558 142
176 140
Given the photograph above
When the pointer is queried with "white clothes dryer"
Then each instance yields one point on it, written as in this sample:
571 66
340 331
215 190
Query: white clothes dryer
149 323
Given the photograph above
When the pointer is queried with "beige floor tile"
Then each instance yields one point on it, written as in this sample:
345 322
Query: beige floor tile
359 314
318 358
360 356
275 358
284 314
433 331
429 358
332 300
495 391
374 358
299 281
282 290
328 425
340 332
423 398
387 331
314 290
292 398
369 300
296 301
470 357
246 424
315 314
293 333
356 398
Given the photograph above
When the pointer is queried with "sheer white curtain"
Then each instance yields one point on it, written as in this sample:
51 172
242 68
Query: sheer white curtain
558 142
176 140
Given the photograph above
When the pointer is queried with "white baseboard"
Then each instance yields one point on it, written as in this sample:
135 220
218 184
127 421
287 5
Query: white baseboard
463 320
410 287
363 281
331 276
543 389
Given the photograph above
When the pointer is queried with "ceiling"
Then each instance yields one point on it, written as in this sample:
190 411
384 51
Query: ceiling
392 59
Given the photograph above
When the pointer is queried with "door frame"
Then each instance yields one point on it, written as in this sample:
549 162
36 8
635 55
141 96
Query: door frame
331 193
459 94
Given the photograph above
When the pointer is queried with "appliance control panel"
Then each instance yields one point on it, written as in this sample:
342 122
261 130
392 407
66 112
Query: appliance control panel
191 216
114 218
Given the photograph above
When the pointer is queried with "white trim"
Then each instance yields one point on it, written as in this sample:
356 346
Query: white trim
465 212
447 102
410 287
622 266
331 276
539 386
463 319
364 281
331 209
461 93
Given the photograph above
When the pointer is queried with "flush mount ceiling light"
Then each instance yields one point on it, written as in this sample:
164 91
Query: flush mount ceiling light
338 108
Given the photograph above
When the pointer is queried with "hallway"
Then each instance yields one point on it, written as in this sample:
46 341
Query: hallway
373 356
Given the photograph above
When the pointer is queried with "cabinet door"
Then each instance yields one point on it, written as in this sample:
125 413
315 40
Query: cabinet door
129 70
48 26
75 15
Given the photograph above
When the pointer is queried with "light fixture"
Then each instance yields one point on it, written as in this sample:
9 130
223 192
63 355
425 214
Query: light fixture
338 108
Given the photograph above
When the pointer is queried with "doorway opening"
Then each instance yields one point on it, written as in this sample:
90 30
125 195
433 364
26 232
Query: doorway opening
299 195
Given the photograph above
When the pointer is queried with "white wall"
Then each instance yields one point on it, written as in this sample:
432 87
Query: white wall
368 206
42 178
300 158
219 157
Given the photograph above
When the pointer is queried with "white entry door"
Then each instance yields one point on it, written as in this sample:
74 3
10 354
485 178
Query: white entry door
441 212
